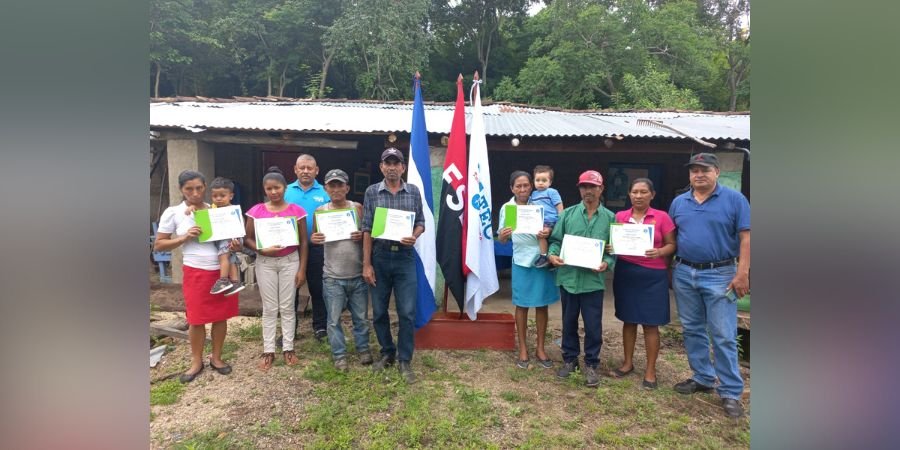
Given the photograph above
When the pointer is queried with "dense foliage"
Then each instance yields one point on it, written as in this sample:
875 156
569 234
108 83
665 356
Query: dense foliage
686 54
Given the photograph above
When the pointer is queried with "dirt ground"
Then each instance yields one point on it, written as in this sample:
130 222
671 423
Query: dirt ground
474 399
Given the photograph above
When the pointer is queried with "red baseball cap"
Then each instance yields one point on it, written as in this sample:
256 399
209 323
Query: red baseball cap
591 177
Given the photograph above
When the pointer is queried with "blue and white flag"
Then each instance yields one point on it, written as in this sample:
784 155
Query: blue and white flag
481 281
420 176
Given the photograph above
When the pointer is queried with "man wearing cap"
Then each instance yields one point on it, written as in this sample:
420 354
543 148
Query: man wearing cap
391 265
343 285
712 271
309 195
581 289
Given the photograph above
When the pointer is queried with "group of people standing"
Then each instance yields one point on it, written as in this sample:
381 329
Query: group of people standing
339 274
704 240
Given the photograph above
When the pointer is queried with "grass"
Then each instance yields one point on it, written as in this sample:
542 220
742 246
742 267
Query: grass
463 399
213 439
166 392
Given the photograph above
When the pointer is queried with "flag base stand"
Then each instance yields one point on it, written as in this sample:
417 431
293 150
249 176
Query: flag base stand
454 331
494 331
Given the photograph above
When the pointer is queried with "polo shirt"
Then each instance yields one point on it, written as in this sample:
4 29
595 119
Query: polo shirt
709 231
574 220
308 199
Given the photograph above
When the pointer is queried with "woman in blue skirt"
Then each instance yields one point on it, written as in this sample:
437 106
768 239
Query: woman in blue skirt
641 283
532 287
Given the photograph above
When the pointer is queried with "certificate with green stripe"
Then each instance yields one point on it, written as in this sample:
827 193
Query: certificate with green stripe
217 224
524 219
392 224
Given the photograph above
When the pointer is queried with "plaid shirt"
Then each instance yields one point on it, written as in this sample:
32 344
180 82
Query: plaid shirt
407 198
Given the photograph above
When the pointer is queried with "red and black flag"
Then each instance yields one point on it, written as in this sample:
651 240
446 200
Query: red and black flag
451 228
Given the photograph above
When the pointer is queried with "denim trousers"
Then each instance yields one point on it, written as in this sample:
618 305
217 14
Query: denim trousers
705 312
352 293
395 271
275 277
588 305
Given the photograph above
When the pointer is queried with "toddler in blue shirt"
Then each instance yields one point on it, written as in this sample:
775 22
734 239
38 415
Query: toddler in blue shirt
550 200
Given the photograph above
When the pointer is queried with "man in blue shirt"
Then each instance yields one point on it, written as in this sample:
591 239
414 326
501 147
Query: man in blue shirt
712 271
309 195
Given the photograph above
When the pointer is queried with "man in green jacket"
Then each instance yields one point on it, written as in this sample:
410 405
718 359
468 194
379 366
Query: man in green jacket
581 289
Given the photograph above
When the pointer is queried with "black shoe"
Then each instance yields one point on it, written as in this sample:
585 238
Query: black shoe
690 386
567 369
406 372
224 370
649 384
321 335
591 378
384 361
365 358
733 408
187 378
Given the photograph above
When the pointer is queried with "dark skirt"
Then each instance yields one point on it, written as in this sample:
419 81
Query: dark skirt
200 306
641 294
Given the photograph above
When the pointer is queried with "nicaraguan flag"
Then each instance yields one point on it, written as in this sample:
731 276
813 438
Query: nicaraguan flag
481 281
420 176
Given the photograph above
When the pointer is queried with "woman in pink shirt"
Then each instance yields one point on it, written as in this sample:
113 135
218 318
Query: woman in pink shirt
280 271
641 286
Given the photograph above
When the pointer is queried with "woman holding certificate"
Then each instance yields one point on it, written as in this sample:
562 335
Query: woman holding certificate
177 228
276 229
532 287
641 286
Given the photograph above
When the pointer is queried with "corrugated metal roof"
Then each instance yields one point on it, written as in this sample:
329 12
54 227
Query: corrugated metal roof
500 119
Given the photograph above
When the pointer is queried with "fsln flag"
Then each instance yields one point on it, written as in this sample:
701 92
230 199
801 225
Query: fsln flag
452 219
481 281
420 176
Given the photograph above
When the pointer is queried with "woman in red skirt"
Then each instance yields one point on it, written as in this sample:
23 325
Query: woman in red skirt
201 270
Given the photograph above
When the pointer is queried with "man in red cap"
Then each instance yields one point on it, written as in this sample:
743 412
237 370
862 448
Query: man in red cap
581 289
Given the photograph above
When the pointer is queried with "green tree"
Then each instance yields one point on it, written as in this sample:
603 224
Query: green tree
654 90
384 41
581 50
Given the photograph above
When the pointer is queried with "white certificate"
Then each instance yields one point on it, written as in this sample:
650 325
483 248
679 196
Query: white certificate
524 219
392 224
218 224
276 231
581 251
337 224
632 239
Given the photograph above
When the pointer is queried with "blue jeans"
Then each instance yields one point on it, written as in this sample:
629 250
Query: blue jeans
394 270
705 312
589 305
352 293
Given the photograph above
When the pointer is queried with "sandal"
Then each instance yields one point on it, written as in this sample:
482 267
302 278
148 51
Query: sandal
266 362
290 358
618 373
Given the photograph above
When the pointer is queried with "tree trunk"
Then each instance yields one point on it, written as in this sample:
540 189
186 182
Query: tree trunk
269 85
281 82
325 65
156 82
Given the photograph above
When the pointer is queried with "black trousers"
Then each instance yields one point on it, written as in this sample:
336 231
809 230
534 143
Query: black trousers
314 266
